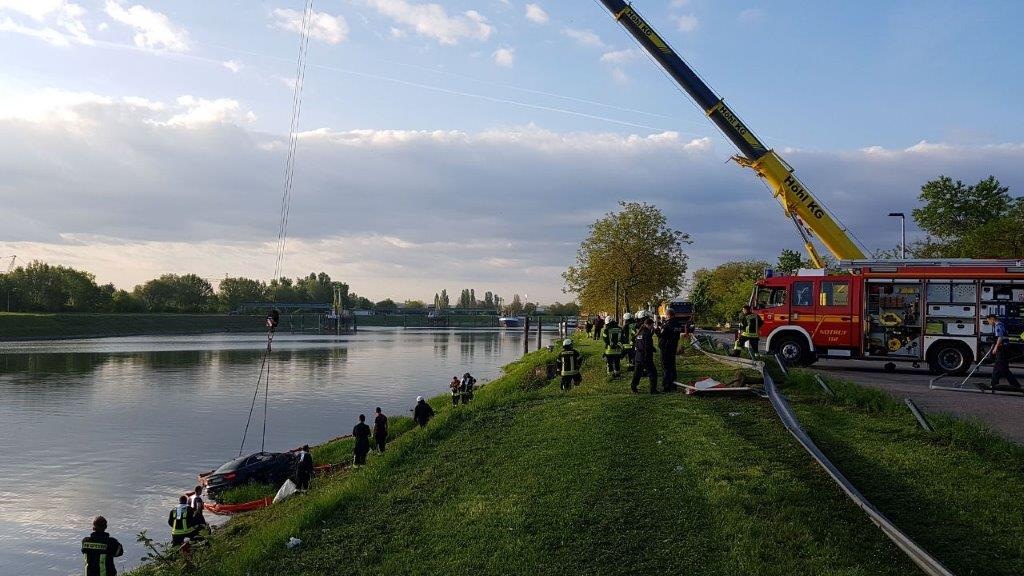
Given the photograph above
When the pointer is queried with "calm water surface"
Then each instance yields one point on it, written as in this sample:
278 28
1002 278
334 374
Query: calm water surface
120 426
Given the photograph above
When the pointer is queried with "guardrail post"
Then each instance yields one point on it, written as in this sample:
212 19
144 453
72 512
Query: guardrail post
919 415
824 386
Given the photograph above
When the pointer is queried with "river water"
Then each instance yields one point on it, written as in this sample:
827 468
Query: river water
121 426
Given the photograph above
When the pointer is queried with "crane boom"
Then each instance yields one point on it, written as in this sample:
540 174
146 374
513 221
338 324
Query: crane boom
795 198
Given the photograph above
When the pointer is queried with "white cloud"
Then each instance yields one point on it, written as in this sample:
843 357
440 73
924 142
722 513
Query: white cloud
687 22
504 57
586 38
620 76
620 56
118 188
233 65
396 32
324 27
536 14
54 21
152 29
432 21
199 112
679 3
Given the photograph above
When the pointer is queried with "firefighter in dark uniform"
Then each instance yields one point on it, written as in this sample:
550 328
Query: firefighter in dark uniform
644 356
612 338
569 360
750 328
628 334
99 550
668 343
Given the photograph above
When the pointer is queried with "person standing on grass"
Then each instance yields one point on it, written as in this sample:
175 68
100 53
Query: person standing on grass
304 469
468 384
456 388
361 433
644 356
99 550
569 362
380 430
422 413
1000 363
669 333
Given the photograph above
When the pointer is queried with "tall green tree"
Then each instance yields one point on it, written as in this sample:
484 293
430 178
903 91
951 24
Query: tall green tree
718 294
233 292
174 293
634 246
969 221
790 261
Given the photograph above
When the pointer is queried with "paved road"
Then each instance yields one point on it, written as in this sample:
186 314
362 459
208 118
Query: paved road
1004 414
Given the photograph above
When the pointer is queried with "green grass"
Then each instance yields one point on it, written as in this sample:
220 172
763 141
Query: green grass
958 491
532 480
338 451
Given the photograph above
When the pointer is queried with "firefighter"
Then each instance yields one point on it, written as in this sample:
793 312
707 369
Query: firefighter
1000 364
182 522
644 344
612 347
569 360
750 327
668 343
628 334
99 550
598 327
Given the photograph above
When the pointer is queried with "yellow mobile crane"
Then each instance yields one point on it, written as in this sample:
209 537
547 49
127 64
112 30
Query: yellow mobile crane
807 212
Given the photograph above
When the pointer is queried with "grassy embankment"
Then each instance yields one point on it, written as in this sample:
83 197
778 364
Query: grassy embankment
529 480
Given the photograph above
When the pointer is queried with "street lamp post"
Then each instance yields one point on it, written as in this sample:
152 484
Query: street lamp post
903 233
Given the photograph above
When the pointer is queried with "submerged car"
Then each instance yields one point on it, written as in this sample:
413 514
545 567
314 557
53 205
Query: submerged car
260 468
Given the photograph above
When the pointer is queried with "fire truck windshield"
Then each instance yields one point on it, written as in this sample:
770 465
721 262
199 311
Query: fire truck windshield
770 297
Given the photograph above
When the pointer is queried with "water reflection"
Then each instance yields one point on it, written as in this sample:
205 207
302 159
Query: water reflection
118 426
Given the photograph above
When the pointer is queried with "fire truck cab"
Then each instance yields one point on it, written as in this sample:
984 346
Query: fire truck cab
918 311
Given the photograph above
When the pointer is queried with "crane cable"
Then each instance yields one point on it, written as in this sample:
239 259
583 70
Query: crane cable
282 233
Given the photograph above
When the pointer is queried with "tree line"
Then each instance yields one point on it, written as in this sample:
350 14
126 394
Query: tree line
41 287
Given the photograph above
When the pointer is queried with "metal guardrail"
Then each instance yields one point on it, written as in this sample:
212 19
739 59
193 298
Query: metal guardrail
916 553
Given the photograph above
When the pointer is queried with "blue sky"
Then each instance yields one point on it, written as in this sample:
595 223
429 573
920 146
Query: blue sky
153 129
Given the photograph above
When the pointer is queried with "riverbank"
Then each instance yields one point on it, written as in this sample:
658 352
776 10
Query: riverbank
530 479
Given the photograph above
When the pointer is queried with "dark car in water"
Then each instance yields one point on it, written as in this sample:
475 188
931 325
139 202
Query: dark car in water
261 468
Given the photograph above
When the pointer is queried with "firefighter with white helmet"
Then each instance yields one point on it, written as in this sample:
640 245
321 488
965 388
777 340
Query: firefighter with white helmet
628 335
569 361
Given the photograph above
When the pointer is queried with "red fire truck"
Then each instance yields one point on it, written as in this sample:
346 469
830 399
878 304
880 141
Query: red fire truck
918 311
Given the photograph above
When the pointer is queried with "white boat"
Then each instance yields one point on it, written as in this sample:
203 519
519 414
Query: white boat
511 321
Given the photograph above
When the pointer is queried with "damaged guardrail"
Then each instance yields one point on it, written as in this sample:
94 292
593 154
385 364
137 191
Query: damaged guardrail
929 564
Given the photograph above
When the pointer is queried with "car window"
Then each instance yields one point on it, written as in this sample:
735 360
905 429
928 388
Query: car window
802 293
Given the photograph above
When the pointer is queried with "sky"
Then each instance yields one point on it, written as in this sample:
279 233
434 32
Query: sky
458 144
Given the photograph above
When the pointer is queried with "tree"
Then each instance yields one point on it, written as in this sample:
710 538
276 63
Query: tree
283 290
488 300
515 308
361 303
174 293
415 305
233 292
790 261
386 305
977 221
717 295
634 246
530 308
568 310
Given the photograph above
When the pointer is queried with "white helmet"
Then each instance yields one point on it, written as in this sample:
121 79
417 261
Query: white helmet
419 399
641 314
567 342
627 316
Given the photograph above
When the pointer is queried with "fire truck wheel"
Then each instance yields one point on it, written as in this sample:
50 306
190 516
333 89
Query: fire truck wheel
949 358
793 349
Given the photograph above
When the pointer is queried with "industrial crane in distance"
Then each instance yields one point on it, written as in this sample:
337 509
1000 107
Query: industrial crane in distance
808 213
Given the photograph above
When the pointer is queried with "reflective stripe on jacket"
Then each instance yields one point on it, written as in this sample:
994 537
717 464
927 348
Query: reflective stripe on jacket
570 362
180 520
612 340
